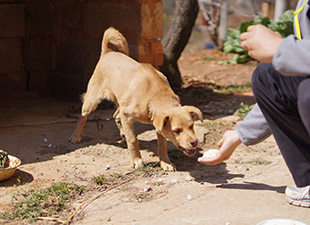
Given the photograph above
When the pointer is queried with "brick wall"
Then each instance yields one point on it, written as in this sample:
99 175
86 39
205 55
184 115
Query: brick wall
52 46
12 33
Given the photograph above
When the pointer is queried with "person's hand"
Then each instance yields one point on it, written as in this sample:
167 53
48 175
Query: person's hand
227 145
260 42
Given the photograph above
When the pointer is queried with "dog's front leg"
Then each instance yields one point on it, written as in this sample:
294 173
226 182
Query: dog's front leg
77 133
132 142
165 162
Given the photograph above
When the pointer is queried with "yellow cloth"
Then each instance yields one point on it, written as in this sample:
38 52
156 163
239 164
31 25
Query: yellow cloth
297 25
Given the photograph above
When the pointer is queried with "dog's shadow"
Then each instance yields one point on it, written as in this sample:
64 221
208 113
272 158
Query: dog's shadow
201 173
215 174
148 142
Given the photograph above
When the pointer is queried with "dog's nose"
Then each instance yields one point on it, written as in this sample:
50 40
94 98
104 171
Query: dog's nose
194 143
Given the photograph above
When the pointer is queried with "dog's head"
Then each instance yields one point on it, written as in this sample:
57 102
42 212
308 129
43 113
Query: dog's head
177 125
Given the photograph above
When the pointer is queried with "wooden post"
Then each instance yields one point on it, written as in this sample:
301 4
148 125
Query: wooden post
223 23
268 9
280 7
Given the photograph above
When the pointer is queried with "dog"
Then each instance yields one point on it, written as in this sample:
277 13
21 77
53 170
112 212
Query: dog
141 94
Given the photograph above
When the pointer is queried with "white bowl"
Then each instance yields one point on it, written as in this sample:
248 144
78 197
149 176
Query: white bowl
281 222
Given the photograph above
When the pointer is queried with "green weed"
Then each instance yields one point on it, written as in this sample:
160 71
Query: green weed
243 110
117 175
46 202
213 126
208 58
234 88
149 167
259 161
100 180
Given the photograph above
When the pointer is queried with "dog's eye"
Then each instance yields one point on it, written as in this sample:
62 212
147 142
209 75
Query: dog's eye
191 126
177 131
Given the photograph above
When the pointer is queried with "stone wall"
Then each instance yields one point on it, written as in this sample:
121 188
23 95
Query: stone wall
12 34
52 46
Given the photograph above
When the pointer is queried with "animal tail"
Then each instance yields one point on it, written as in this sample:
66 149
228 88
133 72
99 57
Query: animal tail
113 40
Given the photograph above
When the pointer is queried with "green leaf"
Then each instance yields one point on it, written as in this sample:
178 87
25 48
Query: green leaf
287 16
244 26
262 20
232 43
243 58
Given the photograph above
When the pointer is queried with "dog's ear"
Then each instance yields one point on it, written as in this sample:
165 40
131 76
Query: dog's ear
160 121
193 111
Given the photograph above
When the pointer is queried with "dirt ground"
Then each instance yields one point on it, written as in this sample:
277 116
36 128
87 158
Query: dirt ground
246 189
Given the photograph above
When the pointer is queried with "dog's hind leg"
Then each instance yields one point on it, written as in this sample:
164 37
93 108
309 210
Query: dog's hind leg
118 122
132 142
76 136
87 108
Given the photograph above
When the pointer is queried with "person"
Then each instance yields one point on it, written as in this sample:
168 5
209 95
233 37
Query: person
281 87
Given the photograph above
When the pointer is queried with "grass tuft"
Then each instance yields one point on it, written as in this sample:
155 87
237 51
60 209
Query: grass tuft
46 202
233 89
259 161
100 180
243 110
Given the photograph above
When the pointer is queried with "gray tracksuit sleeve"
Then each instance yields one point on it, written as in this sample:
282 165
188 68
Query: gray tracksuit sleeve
254 128
295 51
290 59
292 56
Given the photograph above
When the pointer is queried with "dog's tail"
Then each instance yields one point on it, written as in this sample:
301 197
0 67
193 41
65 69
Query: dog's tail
113 40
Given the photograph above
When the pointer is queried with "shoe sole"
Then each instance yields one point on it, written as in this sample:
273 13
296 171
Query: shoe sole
301 203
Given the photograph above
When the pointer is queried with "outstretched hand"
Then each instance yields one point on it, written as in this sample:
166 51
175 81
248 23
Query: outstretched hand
227 145
260 42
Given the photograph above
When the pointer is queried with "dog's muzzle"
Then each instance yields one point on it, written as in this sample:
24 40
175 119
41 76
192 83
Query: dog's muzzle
188 151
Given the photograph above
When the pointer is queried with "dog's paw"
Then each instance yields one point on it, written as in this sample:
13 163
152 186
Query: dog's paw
137 164
170 167
75 139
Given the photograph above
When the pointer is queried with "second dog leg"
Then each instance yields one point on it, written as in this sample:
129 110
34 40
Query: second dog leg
165 162
118 122
76 136
88 106
132 142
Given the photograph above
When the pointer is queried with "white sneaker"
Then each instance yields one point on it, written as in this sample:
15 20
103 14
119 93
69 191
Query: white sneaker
298 196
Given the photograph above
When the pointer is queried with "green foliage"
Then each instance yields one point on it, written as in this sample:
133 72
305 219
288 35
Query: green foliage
285 26
208 58
45 202
234 88
259 161
243 110
100 180
117 175
232 43
146 168
3 158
